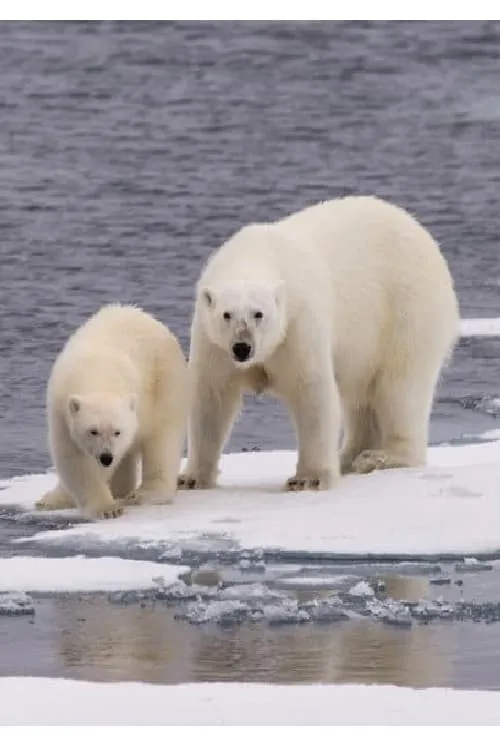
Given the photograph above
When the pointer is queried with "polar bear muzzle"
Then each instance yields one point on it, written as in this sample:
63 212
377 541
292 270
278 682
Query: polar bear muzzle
106 459
241 351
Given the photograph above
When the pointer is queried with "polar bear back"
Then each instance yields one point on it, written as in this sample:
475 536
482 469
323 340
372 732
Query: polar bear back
385 275
119 348
366 240
369 272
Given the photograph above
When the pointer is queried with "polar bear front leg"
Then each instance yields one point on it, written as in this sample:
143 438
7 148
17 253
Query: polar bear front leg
315 407
124 481
84 481
161 458
403 406
212 414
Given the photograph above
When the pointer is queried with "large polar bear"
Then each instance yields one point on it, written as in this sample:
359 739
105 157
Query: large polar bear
346 311
117 394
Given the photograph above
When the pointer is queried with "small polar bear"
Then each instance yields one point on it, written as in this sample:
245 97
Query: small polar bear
116 397
347 312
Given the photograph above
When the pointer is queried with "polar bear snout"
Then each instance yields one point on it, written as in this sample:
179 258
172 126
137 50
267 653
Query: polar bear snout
106 459
242 351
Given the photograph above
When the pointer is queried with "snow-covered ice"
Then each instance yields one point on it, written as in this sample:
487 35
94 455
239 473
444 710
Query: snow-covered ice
82 574
480 327
44 701
449 506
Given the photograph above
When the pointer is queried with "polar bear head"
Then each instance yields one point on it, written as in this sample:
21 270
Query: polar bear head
246 319
103 426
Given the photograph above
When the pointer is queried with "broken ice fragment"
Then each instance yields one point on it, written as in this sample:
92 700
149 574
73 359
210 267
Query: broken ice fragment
362 589
471 565
16 603
286 613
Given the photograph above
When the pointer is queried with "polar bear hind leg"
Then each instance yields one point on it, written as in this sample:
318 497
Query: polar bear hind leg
361 432
56 499
402 404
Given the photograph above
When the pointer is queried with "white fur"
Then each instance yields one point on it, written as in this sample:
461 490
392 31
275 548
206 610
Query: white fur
359 315
118 387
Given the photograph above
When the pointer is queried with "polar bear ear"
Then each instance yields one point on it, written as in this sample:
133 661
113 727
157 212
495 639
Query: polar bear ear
74 404
132 402
208 296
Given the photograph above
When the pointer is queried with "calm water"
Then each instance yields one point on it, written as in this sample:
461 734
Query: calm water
88 638
129 151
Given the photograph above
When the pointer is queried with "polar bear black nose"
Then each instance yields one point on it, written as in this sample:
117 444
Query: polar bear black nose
106 459
241 351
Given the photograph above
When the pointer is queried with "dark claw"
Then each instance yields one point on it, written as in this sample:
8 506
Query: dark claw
190 484
300 484
112 513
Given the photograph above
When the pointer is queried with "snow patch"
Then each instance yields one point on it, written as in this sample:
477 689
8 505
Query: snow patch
450 506
44 701
83 574
479 327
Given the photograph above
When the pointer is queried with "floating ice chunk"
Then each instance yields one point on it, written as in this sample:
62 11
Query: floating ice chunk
16 603
223 612
478 611
129 597
287 613
181 591
431 610
362 589
252 562
390 612
252 592
326 610
471 565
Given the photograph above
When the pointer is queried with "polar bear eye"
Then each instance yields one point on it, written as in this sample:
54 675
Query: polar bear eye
226 315
117 433
94 432
258 315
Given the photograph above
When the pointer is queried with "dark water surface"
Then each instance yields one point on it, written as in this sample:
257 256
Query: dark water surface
128 152
86 637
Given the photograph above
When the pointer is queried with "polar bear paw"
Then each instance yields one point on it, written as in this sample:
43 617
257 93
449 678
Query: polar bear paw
149 496
99 513
375 460
316 481
113 512
191 482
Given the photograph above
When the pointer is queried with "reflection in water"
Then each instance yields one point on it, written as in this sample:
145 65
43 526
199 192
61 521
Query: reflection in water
359 651
127 643
369 653
89 638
